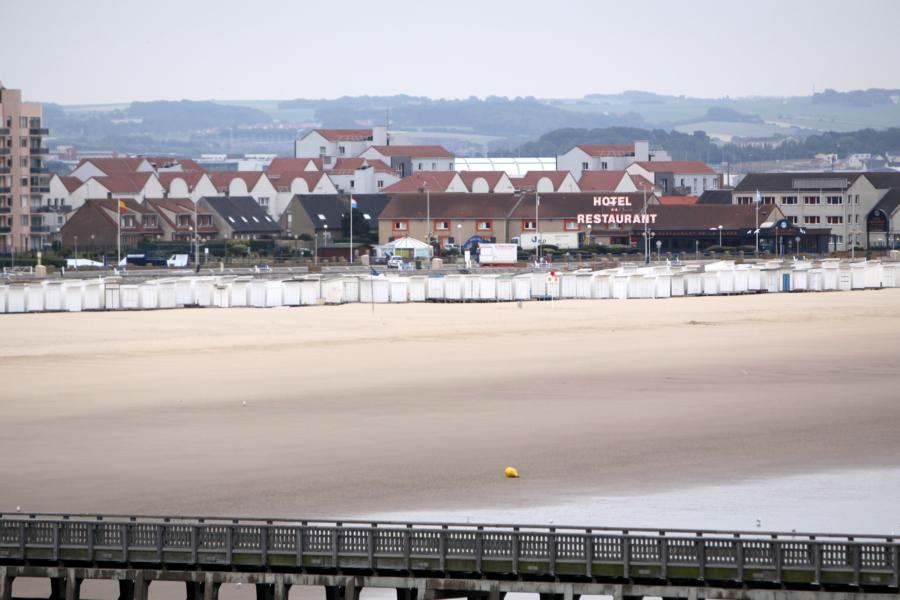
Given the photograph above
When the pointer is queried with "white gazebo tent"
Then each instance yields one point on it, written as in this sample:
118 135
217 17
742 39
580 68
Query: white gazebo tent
408 247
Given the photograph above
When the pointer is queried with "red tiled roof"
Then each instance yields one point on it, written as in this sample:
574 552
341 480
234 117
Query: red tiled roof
607 149
678 200
346 166
433 151
491 177
222 179
131 183
677 166
160 162
345 135
434 181
532 178
71 183
449 206
283 181
290 165
179 206
191 178
113 166
641 183
600 181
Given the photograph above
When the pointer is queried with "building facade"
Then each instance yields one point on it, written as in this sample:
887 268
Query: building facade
23 174
607 157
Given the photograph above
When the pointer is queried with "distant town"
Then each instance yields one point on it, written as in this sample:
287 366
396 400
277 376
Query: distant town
348 192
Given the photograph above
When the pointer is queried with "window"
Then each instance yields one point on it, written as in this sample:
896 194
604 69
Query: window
857 199
745 200
321 216
206 220
401 226
682 182
810 200
811 220
857 219
571 225
484 225
367 216
149 221
792 220
768 199
789 199
433 166
838 238
420 166
23 142
183 221
528 226
264 201
24 220
352 184
694 187
834 200
23 122
322 151
342 150
835 220
584 166
603 166
380 183
128 222
441 225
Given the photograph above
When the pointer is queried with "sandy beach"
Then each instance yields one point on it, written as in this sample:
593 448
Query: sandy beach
339 411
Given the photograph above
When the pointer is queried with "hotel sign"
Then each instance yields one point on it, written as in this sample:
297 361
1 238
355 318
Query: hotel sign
615 210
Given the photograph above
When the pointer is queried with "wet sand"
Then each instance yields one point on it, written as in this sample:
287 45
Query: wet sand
336 411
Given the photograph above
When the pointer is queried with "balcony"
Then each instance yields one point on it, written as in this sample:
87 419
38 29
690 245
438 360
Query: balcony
38 131
63 208
5 230
40 189
40 229
5 190
4 130
34 150
4 170
38 170
4 151
5 210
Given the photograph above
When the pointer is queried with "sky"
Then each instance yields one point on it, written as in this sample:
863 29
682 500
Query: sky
109 51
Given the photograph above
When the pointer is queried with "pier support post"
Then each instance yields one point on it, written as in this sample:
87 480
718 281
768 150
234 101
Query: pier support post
57 588
342 592
126 589
407 594
282 589
265 591
210 588
496 594
193 590
6 583
141 587
73 585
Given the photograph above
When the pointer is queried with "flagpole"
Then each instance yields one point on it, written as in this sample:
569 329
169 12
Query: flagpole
118 234
757 221
351 229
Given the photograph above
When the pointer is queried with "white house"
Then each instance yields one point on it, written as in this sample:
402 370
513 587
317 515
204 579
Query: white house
187 184
483 182
689 177
411 159
362 176
255 184
607 157
546 181
134 186
332 144
436 181
289 184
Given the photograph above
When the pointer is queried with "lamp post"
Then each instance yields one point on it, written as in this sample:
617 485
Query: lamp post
720 236
797 240
537 223
459 238
696 249
658 248
316 247
196 239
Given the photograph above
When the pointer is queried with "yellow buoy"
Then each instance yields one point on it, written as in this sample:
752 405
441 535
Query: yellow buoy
511 472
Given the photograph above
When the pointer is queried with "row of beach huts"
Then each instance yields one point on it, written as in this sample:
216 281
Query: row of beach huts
626 282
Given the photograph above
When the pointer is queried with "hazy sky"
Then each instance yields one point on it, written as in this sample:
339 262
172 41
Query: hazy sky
97 51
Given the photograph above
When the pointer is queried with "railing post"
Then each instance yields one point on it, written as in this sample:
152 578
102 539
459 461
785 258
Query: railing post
264 542
370 543
194 543
159 543
664 553
701 555
739 556
125 542
551 549
298 546
23 534
407 546
856 557
776 552
229 544
626 555
479 547
56 527
817 559
443 548
515 550
896 561
589 553
91 534
334 545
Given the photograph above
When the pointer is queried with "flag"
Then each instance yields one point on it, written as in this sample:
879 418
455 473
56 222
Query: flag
758 197
353 203
122 207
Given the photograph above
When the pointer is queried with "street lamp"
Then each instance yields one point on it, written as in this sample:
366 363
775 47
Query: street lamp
658 247
797 240
720 235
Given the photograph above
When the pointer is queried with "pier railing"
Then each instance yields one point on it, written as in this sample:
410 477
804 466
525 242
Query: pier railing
563 552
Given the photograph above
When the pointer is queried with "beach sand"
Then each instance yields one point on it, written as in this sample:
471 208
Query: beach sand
338 411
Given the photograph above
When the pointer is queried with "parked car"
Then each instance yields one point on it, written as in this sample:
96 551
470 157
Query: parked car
395 262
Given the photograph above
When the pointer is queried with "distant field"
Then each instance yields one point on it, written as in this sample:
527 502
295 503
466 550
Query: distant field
725 130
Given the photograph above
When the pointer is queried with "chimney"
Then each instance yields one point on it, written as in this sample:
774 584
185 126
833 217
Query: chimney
641 151
379 136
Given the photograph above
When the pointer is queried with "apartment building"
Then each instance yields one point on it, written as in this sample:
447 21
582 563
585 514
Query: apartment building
328 145
684 177
607 157
23 174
